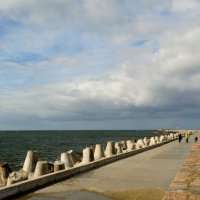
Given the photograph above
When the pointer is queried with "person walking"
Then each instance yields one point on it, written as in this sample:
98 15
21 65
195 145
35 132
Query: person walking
187 137
180 137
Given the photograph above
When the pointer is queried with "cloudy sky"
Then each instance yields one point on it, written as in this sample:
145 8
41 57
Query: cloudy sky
99 64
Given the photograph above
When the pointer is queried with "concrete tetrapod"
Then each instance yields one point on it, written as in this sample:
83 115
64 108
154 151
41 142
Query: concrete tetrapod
75 158
16 177
98 152
146 141
162 138
124 146
67 160
130 145
166 137
157 139
110 149
172 135
4 173
28 168
118 147
152 141
41 168
88 155
58 165
139 144
30 161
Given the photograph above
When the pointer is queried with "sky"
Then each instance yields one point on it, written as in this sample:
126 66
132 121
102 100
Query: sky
99 64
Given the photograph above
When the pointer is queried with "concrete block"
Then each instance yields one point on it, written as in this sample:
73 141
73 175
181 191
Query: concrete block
118 147
58 165
130 145
152 141
88 155
98 153
139 144
74 157
110 149
67 160
4 173
16 177
41 169
30 161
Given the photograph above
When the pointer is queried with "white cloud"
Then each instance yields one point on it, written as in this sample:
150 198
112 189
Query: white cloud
184 5
179 54
88 67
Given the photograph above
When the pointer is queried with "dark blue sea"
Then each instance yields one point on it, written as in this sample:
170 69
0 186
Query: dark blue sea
50 144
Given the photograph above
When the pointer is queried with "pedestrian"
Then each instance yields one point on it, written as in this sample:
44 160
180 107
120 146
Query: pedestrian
187 135
180 137
196 139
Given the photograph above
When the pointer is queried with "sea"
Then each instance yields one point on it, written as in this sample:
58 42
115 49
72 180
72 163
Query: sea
50 144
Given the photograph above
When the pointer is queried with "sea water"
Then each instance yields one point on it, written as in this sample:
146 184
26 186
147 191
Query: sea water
50 144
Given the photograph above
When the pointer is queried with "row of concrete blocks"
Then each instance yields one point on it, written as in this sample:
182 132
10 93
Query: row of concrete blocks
33 168
26 185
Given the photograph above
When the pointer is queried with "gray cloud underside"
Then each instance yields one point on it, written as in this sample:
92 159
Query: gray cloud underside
107 77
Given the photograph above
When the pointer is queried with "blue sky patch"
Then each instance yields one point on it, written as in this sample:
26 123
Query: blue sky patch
25 58
139 42
165 13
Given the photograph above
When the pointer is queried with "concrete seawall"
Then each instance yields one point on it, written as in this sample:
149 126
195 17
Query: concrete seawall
27 185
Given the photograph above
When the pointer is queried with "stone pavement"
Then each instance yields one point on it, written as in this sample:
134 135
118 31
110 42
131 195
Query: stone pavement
155 168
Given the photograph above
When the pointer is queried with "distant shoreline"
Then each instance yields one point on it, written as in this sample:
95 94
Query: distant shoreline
164 131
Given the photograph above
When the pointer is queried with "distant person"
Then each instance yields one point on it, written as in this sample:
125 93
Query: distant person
180 137
187 135
196 139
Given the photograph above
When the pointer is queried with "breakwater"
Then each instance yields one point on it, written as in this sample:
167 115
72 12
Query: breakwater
49 143
36 173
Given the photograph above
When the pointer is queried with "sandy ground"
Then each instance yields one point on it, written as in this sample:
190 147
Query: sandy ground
136 194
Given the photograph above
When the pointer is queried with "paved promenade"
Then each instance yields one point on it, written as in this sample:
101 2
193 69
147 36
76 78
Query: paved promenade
186 184
155 168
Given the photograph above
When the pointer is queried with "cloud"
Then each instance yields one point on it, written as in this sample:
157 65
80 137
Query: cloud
185 6
179 55
68 61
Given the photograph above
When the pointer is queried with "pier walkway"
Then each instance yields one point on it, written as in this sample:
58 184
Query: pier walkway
155 168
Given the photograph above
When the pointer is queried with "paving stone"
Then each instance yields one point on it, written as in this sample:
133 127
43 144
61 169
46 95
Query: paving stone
179 185
194 197
183 176
195 184
175 196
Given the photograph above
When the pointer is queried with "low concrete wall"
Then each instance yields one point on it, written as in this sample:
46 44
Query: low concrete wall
27 185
